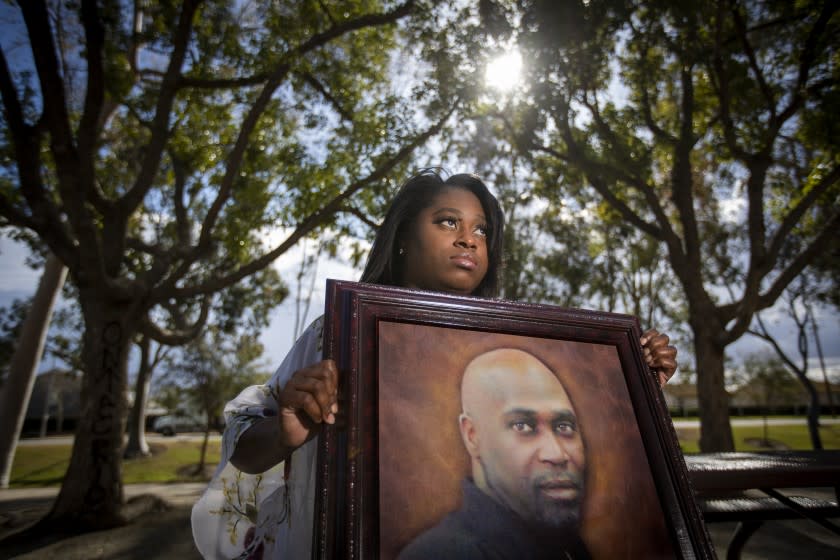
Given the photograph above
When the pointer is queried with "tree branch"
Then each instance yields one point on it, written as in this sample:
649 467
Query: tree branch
350 209
222 83
682 181
616 145
743 311
741 29
177 336
806 60
719 69
234 160
601 187
320 88
44 50
160 123
306 226
792 218
94 93
26 142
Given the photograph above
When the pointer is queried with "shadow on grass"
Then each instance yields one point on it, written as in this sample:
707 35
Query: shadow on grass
30 479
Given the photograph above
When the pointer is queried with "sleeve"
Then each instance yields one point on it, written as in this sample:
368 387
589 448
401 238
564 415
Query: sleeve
267 515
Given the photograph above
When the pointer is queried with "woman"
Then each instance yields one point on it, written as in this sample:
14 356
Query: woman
438 235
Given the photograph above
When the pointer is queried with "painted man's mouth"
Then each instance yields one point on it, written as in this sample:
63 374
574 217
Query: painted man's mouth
559 489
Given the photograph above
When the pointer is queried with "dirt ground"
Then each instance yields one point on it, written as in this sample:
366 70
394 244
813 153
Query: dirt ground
159 535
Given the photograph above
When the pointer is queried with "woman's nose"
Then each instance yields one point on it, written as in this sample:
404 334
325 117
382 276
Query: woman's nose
466 241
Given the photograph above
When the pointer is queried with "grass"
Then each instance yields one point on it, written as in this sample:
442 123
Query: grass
45 465
747 437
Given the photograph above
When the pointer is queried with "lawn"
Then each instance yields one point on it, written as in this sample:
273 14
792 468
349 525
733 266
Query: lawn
748 437
44 465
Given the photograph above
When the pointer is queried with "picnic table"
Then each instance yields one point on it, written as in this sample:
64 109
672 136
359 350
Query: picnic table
721 481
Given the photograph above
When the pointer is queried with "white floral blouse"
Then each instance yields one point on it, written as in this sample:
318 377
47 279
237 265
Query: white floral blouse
270 515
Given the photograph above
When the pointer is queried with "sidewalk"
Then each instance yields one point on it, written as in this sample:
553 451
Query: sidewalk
181 494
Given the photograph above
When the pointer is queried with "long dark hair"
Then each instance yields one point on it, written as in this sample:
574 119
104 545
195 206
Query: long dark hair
384 265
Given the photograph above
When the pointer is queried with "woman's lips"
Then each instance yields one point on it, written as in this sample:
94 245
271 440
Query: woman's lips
465 261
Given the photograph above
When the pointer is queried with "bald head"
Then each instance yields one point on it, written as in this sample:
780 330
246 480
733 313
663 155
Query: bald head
521 431
506 374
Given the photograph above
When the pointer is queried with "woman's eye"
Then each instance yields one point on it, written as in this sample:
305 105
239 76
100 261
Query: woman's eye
450 222
481 230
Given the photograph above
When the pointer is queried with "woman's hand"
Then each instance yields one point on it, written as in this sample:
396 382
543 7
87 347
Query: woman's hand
660 357
308 399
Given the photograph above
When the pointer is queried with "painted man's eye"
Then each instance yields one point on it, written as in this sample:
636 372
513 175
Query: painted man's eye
565 428
522 427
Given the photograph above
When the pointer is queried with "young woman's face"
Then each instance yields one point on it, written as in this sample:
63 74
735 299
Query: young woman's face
446 248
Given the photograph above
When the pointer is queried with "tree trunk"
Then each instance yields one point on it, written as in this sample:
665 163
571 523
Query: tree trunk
91 496
815 330
715 430
17 390
45 413
765 434
813 410
199 470
137 445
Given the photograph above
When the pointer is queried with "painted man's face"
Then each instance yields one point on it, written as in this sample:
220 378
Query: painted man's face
528 443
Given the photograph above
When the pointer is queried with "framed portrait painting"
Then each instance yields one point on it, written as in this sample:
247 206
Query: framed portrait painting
476 428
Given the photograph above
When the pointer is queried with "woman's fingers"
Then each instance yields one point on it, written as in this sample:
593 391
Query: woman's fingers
659 355
314 391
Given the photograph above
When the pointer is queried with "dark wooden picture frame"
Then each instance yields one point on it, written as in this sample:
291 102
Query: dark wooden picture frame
393 466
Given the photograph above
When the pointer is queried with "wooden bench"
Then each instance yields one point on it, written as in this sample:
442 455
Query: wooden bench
723 510
720 479
751 512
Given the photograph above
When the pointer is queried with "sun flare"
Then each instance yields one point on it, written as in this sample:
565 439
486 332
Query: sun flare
503 71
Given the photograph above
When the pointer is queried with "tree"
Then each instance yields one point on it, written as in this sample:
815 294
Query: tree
771 384
799 308
214 367
567 250
151 146
137 446
709 127
11 321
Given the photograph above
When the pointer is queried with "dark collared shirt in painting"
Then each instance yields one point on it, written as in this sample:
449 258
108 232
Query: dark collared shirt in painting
483 529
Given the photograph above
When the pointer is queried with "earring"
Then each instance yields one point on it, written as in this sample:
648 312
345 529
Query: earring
401 251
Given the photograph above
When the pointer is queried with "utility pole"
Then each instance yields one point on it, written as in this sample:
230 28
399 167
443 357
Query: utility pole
15 394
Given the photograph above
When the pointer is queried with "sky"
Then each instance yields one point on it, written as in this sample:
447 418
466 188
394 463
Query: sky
18 281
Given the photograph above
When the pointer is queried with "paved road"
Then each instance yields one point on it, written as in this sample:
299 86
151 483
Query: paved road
150 438
180 494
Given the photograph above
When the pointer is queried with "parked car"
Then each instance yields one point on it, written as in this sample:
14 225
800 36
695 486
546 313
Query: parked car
171 424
